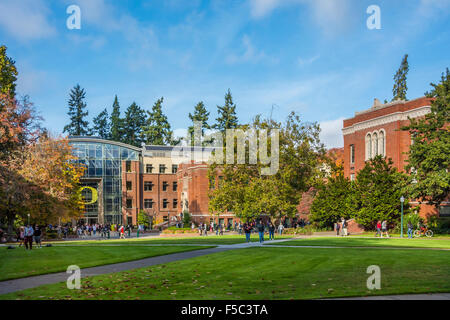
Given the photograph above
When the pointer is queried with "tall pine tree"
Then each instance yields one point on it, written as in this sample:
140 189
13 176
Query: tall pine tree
400 87
101 125
200 115
77 126
133 122
8 73
157 129
428 158
227 118
116 133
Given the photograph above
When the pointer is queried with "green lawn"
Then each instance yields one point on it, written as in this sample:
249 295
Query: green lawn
372 242
19 263
213 239
266 273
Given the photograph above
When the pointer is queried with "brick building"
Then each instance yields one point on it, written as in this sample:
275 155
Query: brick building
376 131
163 181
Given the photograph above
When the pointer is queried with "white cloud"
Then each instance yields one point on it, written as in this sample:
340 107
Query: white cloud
331 133
250 54
26 19
303 62
330 15
260 8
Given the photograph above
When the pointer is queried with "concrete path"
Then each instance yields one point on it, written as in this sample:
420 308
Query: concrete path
424 296
13 285
9 286
35 281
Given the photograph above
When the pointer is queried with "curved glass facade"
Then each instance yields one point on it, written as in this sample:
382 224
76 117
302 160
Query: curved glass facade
103 161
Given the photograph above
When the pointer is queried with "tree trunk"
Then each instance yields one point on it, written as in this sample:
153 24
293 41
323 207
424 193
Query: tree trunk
11 219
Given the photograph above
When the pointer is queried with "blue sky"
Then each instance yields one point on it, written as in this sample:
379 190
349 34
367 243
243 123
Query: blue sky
315 57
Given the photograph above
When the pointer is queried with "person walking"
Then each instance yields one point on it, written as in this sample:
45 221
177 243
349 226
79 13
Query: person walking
29 237
378 228
280 228
410 230
247 231
37 237
260 228
221 227
21 237
384 229
271 231
344 227
337 228
205 229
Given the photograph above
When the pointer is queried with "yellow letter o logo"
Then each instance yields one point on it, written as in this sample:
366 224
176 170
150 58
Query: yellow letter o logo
94 194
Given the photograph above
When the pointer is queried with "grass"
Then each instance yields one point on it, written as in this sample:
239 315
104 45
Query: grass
213 240
19 263
371 242
266 273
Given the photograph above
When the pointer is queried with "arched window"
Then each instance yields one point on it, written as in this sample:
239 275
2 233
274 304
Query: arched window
374 144
368 146
382 143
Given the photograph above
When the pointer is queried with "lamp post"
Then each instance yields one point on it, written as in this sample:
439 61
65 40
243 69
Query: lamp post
402 199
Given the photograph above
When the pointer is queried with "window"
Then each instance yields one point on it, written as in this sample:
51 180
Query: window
128 166
382 143
129 203
162 168
352 177
148 186
175 203
175 186
129 185
375 145
149 168
352 153
368 146
174 168
165 185
212 183
444 211
148 203
165 203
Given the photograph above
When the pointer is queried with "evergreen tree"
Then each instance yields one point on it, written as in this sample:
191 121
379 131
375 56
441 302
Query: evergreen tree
77 126
428 157
377 193
201 115
116 133
227 118
101 125
133 122
8 73
400 87
157 128
332 202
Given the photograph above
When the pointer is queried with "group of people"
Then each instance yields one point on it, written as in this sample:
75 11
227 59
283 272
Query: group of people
203 228
341 227
382 229
27 233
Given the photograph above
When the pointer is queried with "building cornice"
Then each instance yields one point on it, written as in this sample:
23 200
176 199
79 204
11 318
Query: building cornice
385 119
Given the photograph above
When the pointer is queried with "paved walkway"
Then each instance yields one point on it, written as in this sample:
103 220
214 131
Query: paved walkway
423 296
13 285
9 286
